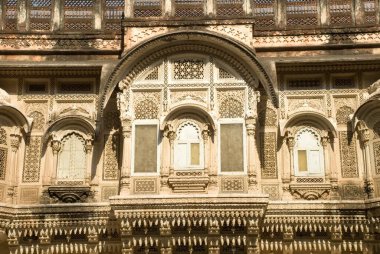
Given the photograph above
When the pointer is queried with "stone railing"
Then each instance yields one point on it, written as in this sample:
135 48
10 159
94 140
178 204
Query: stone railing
94 16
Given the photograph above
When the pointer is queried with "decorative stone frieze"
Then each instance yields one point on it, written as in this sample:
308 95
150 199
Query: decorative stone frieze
69 194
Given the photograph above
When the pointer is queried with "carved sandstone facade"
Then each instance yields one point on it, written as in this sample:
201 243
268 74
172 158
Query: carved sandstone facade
167 126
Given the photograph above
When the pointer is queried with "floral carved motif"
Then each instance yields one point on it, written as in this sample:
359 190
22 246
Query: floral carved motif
111 164
196 95
343 114
268 117
38 120
31 172
146 105
376 155
268 155
348 155
3 162
3 136
272 190
231 103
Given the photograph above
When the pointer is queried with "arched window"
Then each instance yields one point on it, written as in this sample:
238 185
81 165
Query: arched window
188 151
72 159
3 152
308 154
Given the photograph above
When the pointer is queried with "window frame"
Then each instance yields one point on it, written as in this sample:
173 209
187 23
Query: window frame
245 150
309 150
61 180
188 143
133 146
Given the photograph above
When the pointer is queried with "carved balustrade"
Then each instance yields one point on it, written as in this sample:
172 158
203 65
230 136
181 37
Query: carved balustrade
92 16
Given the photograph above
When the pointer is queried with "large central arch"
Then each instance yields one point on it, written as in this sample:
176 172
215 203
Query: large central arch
240 56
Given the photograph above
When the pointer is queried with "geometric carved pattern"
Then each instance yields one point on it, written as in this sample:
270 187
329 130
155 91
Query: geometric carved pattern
352 192
268 155
264 13
188 69
231 108
229 8
301 13
153 75
108 192
376 155
340 12
112 14
78 15
232 184
3 136
223 74
343 114
145 185
267 117
147 8
146 109
3 162
40 15
10 12
272 190
111 164
31 172
189 8
38 120
348 155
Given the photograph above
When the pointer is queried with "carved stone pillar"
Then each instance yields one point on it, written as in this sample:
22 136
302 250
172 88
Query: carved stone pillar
126 158
210 8
15 140
22 15
98 14
56 147
168 8
89 144
252 174
206 144
290 176
171 136
325 141
368 181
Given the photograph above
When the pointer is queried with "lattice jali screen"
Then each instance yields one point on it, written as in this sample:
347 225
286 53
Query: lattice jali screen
301 13
40 15
79 15
340 12
189 8
113 10
10 12
264 14
229 8
369 8
147 8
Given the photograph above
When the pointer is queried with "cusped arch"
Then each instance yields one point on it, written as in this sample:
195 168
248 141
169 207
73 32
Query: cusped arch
65 125
16 117
229 50
313 119
200 112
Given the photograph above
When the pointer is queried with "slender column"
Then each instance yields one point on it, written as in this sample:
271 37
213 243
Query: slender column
89 143
126 162
168 9
325 142
247 7
323 12
98 14
15 144
364 136
252 174
56 147
171 135
358 12
290 140
281 13
22 14
286 180
128 9
210 7
206 150
56 15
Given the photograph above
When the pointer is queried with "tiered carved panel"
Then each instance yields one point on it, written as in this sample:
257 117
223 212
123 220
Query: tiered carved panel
264 14
31 172
370 13
229 8
3 152
111 155
113 10
268 155
10 12
340 12
376 156
78 15
348 155
301 13
189 8
147 8
231 103
40 15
